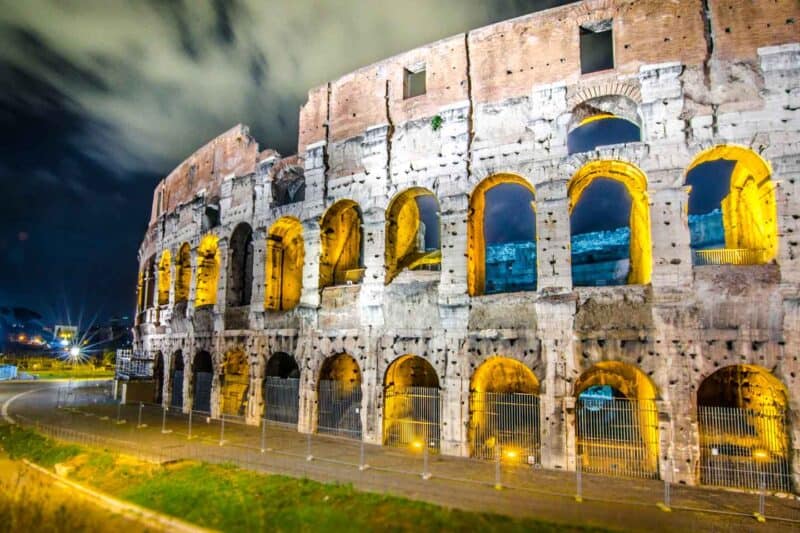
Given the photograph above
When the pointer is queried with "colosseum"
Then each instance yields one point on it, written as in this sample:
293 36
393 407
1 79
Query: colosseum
571 238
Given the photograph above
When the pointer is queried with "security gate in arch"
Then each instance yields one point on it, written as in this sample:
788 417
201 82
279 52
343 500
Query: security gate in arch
744 448
617 436
281 398
412 416
507 423
177 389
339 409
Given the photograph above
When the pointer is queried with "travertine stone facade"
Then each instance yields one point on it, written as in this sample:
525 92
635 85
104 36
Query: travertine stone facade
693 74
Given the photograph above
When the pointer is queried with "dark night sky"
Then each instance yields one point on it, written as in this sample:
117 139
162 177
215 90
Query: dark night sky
99 99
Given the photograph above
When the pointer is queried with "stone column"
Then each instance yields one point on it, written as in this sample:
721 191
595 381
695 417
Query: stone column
669 227
370 297
371 387
453 297
455 398
257 318
554 263
222 285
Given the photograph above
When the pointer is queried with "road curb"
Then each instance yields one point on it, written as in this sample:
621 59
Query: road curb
129 510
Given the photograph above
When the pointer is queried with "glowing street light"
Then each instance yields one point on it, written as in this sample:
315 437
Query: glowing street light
74 352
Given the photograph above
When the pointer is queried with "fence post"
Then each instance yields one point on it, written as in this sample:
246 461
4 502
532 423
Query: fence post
164 429
362 465
762 486
139 424
119 412
309 457
222 430
579 479
498 483
425 473
190 425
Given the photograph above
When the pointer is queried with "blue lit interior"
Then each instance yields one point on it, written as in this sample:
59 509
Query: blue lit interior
600 133
510 234
710 184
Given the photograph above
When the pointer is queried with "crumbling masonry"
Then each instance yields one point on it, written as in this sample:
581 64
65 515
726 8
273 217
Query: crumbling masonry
250 256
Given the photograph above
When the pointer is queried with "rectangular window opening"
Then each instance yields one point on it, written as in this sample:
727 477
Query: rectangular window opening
414 81
597 47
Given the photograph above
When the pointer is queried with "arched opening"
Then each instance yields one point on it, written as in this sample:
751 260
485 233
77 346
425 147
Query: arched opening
341 261
235 382
140 297
158 378
240 267
609 225
164 274
284 264
501 236
733 217
183 274
339 397
412 233
203 375
150 283
411 408
207 271
601 129
504 411
282 389
176 380
743 417
617 421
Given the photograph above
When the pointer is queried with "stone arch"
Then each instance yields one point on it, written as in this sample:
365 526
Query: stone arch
235 382
208 263
635 183
617 420
504 411
281 389
411 408
284 264
240 266
410 242
158 378
744 429
476 237
749 214
339 397
183 273
341 260
202 378
164 277
176 379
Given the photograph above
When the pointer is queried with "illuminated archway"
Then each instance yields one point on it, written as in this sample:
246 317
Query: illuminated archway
202 377
164 274
412 233
176 380
183 273
640 248
158 378
746 211
282 389
617 421
743 419
504 411
240 267
509 257
341 260
600 130
235 381
284 264
150 283
339 397
140 295
411 403
207 271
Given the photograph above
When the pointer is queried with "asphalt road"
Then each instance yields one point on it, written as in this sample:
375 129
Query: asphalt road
624 504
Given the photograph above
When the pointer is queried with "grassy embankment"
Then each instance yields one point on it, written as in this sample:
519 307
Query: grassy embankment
231 499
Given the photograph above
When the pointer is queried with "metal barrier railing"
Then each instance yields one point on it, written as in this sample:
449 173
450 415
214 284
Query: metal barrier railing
282 399
339 408
412 416
505 422
745 449
729 256
617 436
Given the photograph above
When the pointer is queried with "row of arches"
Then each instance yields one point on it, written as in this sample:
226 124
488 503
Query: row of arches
732 220
742 412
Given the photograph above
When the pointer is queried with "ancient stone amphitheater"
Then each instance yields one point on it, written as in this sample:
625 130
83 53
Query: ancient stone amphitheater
439 266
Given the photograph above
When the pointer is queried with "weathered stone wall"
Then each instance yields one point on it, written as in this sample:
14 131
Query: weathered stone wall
506 95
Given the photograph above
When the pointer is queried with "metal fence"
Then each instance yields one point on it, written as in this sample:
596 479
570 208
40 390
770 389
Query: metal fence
412 415
729 256
202 391
339 409
745 449
617 436
8 372
177 389
506 422
282 399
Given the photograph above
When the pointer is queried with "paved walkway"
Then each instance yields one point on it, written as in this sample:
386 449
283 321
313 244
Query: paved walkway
456 482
